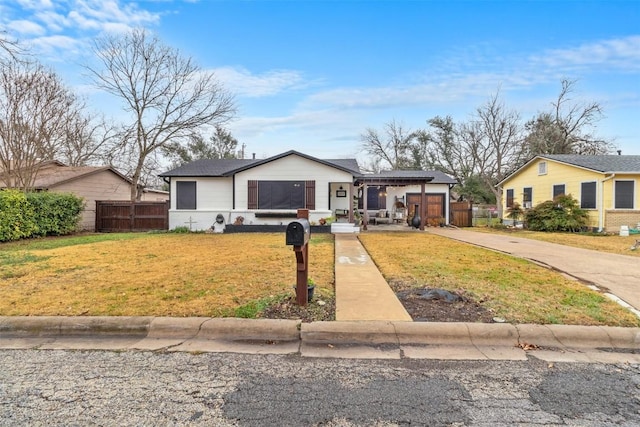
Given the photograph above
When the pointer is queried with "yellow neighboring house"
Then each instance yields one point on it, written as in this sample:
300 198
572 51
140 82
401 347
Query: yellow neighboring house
606 186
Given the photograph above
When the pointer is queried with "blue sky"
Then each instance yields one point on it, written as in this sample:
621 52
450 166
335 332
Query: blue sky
313 75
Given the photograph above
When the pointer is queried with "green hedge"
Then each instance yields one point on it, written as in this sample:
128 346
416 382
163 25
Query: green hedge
55 213
17 218
37 214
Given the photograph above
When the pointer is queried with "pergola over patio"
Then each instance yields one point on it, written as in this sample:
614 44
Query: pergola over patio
397 178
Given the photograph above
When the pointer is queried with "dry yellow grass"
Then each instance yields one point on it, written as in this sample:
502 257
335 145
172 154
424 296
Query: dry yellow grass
519 291
605 243
156 275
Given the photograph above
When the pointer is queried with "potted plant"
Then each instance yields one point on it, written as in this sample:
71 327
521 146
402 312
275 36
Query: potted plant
311 286
515 212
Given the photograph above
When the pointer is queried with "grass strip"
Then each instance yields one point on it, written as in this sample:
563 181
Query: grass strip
514 289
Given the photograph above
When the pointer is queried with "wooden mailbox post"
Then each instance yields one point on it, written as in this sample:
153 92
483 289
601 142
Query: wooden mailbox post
298 234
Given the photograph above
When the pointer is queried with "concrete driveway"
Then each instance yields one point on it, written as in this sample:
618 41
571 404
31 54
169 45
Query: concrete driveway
615 274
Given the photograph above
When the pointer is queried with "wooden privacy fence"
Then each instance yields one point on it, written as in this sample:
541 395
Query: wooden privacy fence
114 216
461 214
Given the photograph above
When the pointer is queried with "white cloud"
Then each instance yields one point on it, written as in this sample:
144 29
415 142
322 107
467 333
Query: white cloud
94 14
464 77
35 4
622 53
53 25
26 28
53 45
242 82
51 20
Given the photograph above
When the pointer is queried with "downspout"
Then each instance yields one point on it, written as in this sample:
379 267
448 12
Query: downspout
601 212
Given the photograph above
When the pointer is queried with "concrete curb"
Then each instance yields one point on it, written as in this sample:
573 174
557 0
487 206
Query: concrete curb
68 326
321 333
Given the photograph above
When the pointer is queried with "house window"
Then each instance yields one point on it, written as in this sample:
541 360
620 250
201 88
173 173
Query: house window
624 194
558 190
510 198
185 195
376 198
588 195
281 195
527 197
542 168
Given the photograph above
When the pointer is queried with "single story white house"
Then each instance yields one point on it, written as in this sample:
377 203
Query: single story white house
270 191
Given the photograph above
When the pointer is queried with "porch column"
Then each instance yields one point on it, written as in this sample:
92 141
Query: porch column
423 206
365 193
352 193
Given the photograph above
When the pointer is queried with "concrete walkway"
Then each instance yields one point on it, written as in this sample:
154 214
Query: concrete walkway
616 274
361 291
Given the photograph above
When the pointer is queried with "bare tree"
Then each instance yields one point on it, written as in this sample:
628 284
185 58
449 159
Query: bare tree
495 141
10 50
393 149
35 111
167 96
88 140
567 128
479 153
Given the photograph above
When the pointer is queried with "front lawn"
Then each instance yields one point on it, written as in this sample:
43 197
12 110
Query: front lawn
252 275
155 274
514 289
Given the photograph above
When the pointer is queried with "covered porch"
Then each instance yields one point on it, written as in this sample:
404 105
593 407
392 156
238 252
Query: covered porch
395 197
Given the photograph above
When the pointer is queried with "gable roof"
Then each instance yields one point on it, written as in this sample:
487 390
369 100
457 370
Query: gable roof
50 177
600 163
229 167
52 173
209 167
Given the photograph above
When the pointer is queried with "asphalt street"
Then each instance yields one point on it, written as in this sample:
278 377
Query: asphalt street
137 388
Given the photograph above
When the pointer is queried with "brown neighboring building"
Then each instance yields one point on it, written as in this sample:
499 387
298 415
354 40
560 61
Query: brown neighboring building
91 183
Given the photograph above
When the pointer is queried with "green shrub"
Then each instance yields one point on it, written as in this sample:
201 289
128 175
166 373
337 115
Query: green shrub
56 213
561 214
181 229
17 217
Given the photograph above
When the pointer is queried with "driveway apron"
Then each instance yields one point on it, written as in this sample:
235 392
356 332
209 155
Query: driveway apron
616 274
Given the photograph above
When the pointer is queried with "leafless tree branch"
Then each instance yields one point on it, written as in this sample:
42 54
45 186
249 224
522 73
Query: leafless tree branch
167 95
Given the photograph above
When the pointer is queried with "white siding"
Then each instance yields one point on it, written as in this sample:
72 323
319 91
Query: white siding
213 196
292 168
211 193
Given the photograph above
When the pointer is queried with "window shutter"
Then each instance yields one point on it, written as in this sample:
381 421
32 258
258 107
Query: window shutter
252 195
310 195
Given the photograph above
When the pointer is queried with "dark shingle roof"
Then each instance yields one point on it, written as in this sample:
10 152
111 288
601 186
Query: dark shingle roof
209 167
348 164
434 177
603 163
227 167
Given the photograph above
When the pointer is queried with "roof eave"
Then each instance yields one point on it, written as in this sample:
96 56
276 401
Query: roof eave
283 155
